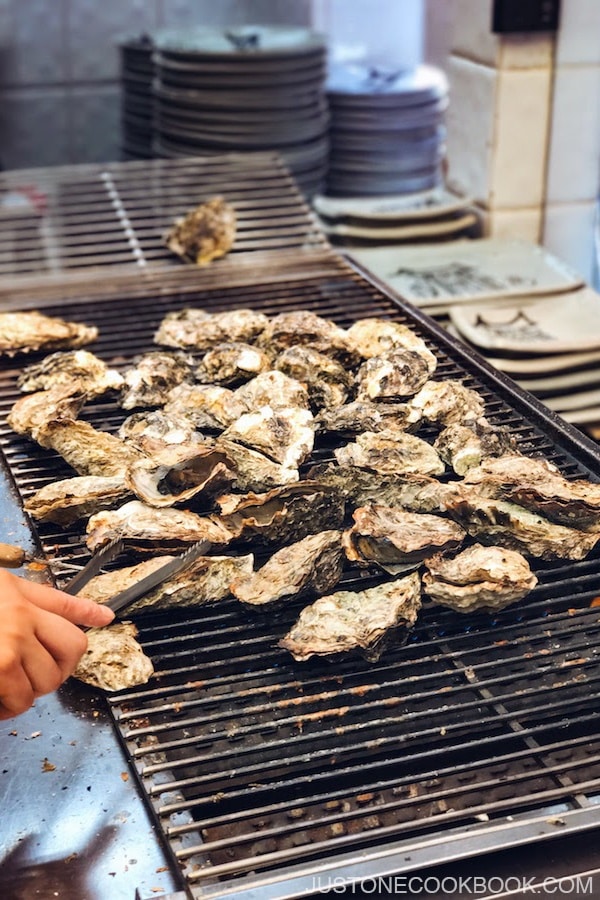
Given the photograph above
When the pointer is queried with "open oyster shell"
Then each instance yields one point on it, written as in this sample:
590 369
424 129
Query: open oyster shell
205 233
373 337
177 474
79 368
285 435
195 329
70 499
149 381
391 452
27 331
231 363
114 660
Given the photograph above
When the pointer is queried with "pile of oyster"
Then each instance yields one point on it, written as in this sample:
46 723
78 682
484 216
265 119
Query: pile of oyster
226 422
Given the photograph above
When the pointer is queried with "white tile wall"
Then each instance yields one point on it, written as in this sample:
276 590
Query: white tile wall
525 224
579 35
569 233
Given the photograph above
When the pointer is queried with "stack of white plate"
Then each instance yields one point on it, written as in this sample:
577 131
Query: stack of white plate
387 130
246 88
137 72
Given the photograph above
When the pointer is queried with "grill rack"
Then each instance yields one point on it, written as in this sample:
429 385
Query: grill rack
477 734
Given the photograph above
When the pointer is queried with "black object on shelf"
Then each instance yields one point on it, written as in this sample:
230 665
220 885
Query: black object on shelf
509 16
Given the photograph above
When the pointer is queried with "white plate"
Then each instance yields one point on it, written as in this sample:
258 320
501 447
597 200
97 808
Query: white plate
557 383
560 323
538 365
463 271
401 232
573 402
428 205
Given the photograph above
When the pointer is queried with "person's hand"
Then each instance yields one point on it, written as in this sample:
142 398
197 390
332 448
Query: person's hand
40 643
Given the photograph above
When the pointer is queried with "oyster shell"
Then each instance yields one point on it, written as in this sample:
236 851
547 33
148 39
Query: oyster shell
231 364
114 660
363 415
205 406
144 527
253 471
305 328
78 368
177 474
154 430
447 403
478 578
85 449
466 446
270 389
313 564
26 331
31 413
195 329
391 452
207 580
373 337
205 233
70 499
394 375
154 374
285 435
327 381
390 536
355 620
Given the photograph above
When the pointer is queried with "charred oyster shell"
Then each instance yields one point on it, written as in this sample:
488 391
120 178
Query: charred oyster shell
327 381
195 329
374 337
27 331
79 368
85 449
114 660
285 435
33 412
231 364
355 620
395 375
154 374
391 452
175 475
465 446
447 403
205 233
70 499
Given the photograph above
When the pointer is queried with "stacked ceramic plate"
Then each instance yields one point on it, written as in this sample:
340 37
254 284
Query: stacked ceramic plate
387 130
247 88
137 72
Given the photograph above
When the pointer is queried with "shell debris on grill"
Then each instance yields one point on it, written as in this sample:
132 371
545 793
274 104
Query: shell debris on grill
114 659
148 382
195 329
205 233
231 363
79 368
22 332
391 452
70 499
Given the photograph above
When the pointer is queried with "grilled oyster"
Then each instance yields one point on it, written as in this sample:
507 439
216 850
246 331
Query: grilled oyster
26 331
114 660
205 233
394 375
31 413
466 446
154 430
71 499
177 474
284 435
513 527
154 374
194 329
390 536
144 527
538 485
478 578
363 415
253 471
313 564
447 403
327 381
391 452
270 389
355 620
79 368
305 328
206 580
231 363
205 406
373 337
85 449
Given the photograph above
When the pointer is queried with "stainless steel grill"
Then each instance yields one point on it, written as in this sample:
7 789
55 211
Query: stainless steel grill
267 777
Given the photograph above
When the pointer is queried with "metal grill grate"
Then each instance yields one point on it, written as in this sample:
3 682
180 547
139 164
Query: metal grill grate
270 776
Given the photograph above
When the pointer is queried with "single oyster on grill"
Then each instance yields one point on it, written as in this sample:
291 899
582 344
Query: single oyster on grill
305 328
27 331
154 374
355 620
270 389
395 375
253 471
465 446
447 403
391 452
327 381
282 515
364 415
154 430
206 580
392 536
374 337
176 474
85 449
285 435
231 363
78 368
313 564
31 413
511 526
538 485
206 406
70 499
205 233
144 527
478 578
195 329
114 659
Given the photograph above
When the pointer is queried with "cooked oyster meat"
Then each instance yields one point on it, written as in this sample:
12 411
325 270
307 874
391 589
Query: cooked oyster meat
85 449
79 368
391 452
479 577
154 430
465 446
206 580
327 381
206 406
355 620
305 328
391 536
269 389
511 526
205 233
70 499
114 660
447 403
31 413
231 363
178 474
154 374
313 564
285 435
27 331
374 337
253 471
147 528
194 329
364 415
